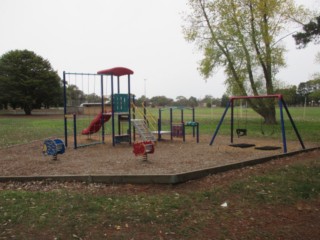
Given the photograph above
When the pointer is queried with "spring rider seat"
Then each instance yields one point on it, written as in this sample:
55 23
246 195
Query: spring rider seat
143 149
53 148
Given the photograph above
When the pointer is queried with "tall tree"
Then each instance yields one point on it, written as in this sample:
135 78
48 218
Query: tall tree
290 94
142 100
181 101
28 81
161 101
193 102
75 97
240 36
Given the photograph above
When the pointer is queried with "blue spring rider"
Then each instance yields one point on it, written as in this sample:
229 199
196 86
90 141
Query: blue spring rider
53 148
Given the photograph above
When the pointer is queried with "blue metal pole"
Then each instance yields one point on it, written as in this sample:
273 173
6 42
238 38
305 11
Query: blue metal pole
75 130
284 142
102 108
197 132
193 120
118 83
134 117
232 119
129 106
112 106
182 119
220 122
159 125
171 123
293 124
65 109
183 132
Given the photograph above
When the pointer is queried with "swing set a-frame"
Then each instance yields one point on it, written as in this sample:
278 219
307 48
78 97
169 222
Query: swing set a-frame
282 105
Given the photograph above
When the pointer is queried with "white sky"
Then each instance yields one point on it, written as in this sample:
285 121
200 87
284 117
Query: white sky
143 35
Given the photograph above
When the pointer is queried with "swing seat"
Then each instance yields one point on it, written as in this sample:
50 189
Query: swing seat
268 148
241 132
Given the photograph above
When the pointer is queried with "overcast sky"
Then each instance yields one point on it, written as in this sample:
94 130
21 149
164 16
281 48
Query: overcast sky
143 35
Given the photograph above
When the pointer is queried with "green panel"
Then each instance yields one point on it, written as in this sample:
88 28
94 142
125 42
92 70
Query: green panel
121 102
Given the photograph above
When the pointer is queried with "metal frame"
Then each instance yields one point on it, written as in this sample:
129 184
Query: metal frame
74 117
282 105
195 130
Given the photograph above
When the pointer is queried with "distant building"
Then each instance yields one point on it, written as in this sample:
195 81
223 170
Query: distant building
94 108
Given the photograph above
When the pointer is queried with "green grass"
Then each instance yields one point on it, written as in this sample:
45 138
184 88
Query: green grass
19 130
63 214
78 213
287 185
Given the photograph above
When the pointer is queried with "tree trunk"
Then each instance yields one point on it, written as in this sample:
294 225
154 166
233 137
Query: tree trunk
265 108
269 113
27 109
270 117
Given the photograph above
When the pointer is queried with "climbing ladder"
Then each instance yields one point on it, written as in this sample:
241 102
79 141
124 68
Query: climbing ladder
143 130
150 120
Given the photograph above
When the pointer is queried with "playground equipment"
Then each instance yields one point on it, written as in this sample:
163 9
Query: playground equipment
122 113
83 101
145 119
97 123
143 130
53 148
178 129
119 113
242 128
143 149
120 105
281 104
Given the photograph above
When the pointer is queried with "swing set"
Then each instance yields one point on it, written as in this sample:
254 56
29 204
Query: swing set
243 131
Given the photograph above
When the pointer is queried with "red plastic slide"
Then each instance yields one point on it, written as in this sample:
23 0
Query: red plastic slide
95 124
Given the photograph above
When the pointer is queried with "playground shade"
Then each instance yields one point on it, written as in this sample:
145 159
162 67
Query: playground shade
117 71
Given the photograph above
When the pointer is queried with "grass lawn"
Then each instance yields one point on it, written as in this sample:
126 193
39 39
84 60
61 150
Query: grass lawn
254 206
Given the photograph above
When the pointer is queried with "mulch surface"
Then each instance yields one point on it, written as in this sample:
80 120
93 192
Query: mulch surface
170 157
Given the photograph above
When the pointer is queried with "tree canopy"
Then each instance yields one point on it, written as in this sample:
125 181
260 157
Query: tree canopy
241 36
28 81
311 32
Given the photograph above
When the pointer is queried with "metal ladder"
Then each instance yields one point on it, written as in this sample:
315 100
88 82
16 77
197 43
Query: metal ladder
143 130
